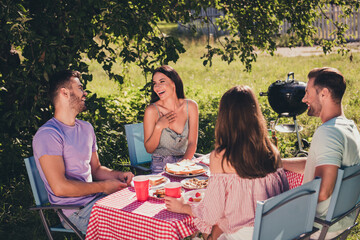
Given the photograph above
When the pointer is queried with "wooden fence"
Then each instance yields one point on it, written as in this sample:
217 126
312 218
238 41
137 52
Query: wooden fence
201 26
325 27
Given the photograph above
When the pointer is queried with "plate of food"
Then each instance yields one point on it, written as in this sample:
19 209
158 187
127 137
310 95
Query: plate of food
195 183
194 196
157 193
156 181
160 193
185 168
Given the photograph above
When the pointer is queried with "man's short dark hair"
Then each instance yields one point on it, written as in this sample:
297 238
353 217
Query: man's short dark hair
59 80
329 78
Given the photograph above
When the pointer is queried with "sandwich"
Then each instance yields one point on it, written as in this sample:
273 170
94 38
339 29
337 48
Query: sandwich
156 180
159 193
186 163
174 168
196 169
177 169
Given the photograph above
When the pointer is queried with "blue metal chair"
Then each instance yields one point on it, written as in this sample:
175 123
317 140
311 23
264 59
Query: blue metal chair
137 152
289 215
42 202
344 201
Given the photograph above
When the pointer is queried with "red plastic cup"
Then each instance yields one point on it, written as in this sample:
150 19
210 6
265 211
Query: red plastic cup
173 189
141 185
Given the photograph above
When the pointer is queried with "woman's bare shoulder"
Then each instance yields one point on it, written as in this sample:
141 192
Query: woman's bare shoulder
192 103
151 108
215 162
151 112
217 165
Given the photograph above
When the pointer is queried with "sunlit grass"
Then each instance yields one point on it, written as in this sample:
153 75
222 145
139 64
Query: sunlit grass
221 76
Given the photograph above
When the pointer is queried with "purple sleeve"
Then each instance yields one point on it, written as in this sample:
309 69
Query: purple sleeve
94 145
47 142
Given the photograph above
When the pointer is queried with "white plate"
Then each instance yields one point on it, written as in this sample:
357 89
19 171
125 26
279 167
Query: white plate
152 191
184 185
192 194
167 180
151 194
206 168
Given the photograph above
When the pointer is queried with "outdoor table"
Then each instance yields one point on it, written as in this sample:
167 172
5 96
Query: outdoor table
121 216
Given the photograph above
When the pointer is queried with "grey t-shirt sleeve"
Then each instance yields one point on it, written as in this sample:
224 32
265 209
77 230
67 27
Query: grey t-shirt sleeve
328 146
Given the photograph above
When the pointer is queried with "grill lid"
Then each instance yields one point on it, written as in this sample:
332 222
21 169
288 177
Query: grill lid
285 97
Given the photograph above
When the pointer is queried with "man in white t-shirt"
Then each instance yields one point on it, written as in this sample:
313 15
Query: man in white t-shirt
336 143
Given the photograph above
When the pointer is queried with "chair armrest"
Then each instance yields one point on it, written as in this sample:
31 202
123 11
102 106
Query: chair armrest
198 155
142 168
133 169
335 220
54 206
322 221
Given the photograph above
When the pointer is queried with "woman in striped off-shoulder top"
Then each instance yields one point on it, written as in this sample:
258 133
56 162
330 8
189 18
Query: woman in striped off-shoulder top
245 168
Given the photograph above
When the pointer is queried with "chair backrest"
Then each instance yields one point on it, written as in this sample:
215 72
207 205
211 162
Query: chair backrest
346 192
287 215
37 185
135 140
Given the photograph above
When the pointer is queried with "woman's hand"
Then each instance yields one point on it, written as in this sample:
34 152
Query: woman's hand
175 204
165 120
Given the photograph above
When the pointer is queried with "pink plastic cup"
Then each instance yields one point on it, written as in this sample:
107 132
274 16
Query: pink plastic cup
141 185
173 189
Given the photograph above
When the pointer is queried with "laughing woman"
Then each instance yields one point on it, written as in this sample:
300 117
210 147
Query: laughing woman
170 121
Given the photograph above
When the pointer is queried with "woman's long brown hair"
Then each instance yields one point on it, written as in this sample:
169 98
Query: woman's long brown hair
241 132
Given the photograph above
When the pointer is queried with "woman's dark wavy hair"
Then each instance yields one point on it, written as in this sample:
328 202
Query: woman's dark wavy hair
174 76
241 132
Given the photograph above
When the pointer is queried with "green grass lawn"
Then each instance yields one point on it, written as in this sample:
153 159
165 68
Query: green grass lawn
200 81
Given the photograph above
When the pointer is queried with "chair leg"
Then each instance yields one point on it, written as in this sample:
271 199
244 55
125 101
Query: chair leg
71 225
323 233
45 224
344 234
347 231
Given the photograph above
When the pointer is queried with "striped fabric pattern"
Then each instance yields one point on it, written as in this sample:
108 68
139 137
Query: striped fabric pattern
230 201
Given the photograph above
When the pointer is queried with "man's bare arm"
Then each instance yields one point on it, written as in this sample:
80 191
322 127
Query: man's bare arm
54 170
101 173
294 164
328 174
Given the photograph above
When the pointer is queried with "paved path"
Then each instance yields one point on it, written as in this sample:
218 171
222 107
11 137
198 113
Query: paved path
311 51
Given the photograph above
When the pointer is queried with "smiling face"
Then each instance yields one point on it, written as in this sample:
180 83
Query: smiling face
163 86
312 99
77 95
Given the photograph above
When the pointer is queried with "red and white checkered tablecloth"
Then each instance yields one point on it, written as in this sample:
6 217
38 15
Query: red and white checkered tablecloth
294 179
121 216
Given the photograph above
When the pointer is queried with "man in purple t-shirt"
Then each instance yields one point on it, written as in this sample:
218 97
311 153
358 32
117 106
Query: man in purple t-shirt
65 152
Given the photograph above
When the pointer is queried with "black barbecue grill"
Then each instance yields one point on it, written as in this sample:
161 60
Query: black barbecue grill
285 98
